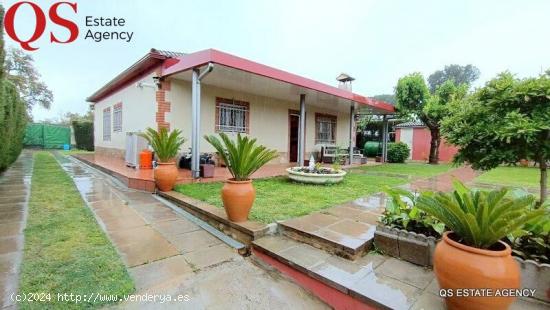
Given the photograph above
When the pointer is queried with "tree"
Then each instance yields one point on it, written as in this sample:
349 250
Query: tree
13 115
505 121
460 74
20 70
415 101
389 98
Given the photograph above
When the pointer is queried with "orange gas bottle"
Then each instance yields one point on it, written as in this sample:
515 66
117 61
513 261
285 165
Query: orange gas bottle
146 159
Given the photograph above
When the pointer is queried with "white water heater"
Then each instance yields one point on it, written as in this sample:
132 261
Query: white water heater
134 145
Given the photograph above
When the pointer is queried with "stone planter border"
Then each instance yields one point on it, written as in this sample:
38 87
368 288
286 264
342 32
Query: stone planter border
315 178
418 249
406 245
535 276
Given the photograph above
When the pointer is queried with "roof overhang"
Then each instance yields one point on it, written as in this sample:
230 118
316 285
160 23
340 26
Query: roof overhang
178 66
146 64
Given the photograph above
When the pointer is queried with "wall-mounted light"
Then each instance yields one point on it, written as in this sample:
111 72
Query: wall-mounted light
158 81
144 84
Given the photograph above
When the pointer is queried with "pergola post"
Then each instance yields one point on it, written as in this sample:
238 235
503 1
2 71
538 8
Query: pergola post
384 138
351 132
195 124
302 131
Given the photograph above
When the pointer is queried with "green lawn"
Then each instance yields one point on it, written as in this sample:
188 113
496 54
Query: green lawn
411 169
75 151
279 199
512 176
65 249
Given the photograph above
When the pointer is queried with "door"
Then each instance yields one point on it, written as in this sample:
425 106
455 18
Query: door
294 128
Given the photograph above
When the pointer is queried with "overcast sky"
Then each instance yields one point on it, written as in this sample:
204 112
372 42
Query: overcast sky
374 41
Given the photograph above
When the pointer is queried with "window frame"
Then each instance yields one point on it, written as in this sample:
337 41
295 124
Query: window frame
117 117
333 120
220 102
107 116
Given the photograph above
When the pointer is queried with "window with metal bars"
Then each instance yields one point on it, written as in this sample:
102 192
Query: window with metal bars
107 124
117 117
232 115
325 129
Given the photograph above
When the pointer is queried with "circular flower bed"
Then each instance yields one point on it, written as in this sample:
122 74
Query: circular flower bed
321 175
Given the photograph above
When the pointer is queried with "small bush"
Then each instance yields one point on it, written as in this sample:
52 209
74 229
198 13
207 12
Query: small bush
84 135
398 152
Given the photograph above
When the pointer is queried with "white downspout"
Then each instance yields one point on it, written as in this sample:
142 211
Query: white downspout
195 118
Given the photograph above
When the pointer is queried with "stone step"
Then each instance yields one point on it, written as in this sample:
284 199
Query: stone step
346 230
372 280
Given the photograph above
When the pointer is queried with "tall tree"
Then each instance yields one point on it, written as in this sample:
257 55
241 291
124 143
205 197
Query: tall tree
415 101
20 70
460 74
505 121
389 98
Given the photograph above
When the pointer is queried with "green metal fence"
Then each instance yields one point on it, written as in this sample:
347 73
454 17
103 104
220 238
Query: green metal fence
47 136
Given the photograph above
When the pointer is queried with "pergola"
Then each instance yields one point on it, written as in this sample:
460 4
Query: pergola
219 69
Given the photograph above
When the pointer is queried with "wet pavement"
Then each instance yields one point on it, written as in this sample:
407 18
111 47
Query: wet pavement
167 254
15 187
375 279
348 229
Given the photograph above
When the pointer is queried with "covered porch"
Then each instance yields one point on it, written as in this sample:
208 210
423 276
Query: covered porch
310 108
143 179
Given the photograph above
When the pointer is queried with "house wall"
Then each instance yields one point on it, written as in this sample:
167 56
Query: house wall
268 117
420 142
138 112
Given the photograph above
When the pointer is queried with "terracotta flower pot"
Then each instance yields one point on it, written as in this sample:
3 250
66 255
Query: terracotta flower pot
238 197
166 175
458 266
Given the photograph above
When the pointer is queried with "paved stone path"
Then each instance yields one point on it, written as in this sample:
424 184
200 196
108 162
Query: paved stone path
167 254
15 186
374 278
350 226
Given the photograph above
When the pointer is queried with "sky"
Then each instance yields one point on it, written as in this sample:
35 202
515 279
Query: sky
374 41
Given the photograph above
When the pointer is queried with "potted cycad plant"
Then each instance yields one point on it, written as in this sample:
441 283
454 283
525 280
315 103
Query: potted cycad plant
471 255
166 145
242 157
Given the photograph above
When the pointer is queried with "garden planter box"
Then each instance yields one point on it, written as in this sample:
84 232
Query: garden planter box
418 249
314 178
409 246
535 276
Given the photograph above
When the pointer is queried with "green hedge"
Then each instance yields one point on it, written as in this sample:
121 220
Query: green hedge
84 135
13 120
398 152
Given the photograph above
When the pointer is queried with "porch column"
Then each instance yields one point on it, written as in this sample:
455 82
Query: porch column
302 130
195 123
351 131
384 138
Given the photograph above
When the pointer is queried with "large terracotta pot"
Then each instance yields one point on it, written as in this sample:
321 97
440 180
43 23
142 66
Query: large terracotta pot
238 197
458 266
166 175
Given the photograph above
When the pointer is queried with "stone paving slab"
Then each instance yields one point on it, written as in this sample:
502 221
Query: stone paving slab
374 279
14 194
168 254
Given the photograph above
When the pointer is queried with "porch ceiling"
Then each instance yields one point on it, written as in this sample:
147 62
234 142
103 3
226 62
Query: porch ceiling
242 81
239 74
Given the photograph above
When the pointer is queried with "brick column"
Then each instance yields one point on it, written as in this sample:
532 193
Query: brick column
163 106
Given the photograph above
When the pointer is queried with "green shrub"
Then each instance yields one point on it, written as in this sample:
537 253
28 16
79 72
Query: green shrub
13 120
242 156
398 152
165 143
401 212
84 135
480 218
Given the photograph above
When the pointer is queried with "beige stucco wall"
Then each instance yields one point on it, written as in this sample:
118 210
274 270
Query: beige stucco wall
138 112
268 117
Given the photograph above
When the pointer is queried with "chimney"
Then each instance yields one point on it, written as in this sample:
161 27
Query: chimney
344 81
